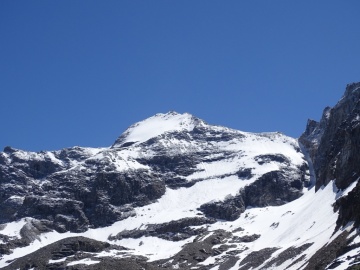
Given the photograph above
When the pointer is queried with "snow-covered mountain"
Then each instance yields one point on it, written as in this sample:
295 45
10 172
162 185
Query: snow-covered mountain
174 192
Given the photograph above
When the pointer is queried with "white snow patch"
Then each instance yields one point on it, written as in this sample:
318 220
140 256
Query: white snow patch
86 261
59 260
209 260
109 253
53 159
153 247
122 160
13 228
16 198
157 125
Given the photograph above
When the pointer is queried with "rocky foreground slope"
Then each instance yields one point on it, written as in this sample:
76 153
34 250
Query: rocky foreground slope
174 192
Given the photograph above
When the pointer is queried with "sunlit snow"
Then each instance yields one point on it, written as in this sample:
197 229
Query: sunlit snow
158 124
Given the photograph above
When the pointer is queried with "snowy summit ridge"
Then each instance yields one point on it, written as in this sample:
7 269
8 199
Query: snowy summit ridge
157 125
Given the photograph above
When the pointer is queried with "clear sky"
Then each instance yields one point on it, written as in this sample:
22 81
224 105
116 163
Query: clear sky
80 72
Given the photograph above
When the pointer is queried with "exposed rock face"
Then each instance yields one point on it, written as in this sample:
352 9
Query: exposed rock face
174 230
274 188
324 256
287 254
256 258
349 208
313 133
271 189
199 250
334 142
229 209
71 188
41 259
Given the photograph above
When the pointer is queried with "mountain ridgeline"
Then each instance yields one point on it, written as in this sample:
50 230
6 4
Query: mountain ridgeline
174 192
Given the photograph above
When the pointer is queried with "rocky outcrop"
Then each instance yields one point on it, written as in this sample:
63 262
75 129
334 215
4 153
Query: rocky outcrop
41 259
256 258
199 250
324 256
229 209
349 208
334 142
287 254
182 165
313 133
175 230
71 198
271 189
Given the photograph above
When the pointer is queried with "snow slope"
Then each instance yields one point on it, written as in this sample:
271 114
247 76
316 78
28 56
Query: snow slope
157 125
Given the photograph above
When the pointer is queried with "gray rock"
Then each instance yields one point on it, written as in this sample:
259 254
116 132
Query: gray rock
273 188
175 230
334 142
63 248
256 258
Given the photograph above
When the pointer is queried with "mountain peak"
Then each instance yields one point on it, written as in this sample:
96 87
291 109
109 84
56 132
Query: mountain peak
156 125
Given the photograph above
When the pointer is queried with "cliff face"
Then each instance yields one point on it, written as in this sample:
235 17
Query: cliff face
334 147
334 142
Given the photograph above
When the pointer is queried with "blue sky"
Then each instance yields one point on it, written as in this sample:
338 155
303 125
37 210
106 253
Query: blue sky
80 72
